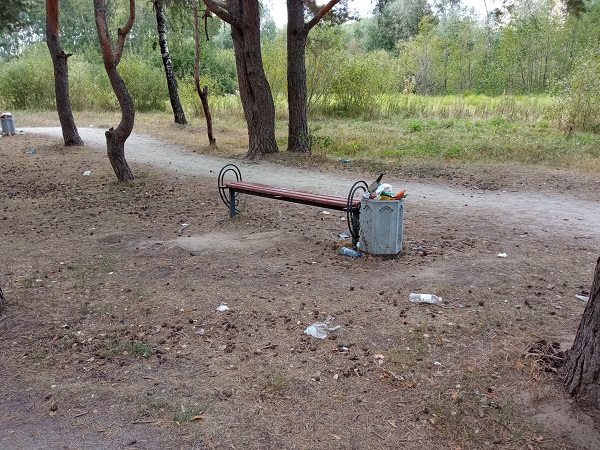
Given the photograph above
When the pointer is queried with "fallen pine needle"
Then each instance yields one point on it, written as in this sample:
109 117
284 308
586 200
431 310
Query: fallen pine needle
483 391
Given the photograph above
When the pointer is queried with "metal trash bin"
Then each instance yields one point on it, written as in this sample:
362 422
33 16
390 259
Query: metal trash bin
8 124
381 226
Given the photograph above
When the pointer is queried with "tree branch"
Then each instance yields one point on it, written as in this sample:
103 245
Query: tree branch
220 9
315 20
124 31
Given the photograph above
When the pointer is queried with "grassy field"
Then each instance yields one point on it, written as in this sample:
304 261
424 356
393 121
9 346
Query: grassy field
431 131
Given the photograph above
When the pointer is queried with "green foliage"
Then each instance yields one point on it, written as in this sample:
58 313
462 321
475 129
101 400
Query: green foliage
397 21
189 96
580 100
274 61
217 64
27 82
89 87
324 53
356 85
146 83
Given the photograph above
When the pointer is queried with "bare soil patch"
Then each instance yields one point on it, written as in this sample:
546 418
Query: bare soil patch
110 335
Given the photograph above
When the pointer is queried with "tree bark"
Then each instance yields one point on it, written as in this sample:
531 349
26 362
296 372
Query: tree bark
161 26
255 92
61 75
115 138
297 34
582 367
202 93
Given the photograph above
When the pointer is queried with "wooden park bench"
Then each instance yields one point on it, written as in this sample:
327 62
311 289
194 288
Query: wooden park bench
230 190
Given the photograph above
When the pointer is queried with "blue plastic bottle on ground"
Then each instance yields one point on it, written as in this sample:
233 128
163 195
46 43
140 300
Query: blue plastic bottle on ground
349 252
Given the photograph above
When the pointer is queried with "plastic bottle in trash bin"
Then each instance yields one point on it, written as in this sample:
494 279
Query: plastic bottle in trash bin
349 252
424 298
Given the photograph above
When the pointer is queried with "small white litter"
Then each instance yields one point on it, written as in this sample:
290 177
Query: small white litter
319 330
223 307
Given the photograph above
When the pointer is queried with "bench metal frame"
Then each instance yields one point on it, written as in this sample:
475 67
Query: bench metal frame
229 192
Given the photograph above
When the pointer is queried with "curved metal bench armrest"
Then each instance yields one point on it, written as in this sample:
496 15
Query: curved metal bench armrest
221 181
353 212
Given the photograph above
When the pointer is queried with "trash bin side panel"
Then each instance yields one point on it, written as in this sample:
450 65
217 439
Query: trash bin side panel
381 226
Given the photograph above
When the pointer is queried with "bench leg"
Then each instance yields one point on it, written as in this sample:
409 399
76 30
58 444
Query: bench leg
232 212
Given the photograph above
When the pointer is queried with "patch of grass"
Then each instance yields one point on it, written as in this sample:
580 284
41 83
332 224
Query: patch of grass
415 126
29 280
108 263
189 414
153 409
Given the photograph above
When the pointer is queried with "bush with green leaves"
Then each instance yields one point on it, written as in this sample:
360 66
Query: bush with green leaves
145 82
359 80
89 87
580 99
27 82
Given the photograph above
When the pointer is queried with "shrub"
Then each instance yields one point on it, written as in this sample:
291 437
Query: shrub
580 99
145 82
27 82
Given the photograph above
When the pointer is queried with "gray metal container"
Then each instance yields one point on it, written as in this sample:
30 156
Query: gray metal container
8 124
381 226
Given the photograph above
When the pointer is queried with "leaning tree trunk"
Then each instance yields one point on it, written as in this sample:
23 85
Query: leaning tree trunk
297 32
115 138
202 93
161 25
61 75
582 365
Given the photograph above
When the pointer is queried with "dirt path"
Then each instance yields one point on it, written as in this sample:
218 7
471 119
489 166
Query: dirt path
534 213
111 336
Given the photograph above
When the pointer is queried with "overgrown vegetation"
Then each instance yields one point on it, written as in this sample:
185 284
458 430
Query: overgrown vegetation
504 66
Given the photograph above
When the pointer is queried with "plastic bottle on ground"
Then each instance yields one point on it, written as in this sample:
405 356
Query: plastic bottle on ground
349 252
424 298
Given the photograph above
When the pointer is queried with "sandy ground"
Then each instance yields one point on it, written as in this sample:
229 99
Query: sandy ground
111 337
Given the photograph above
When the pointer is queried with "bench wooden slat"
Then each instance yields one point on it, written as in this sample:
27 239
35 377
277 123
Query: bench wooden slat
309 198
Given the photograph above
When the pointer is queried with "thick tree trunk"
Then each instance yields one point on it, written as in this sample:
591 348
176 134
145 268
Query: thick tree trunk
297 32
582 367
161 25
61 75
255 92
115 138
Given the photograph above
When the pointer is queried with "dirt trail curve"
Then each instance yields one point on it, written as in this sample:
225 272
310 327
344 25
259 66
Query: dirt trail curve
534 213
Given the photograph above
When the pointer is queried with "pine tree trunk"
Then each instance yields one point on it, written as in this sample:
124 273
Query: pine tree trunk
297 32
115 138
166 57
582 367
61 75
255 92
115 149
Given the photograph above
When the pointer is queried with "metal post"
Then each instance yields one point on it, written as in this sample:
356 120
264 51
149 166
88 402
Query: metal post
232 212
